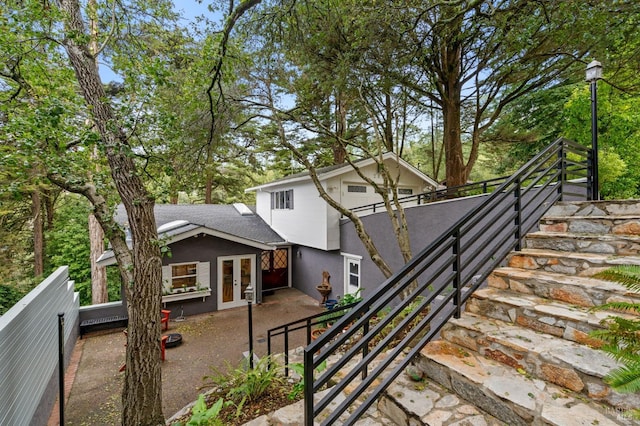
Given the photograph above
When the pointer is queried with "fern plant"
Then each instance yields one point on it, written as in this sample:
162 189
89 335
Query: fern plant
622 337
246 384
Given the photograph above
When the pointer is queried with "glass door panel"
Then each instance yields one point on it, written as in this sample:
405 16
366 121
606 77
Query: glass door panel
246 271
227 280
235 274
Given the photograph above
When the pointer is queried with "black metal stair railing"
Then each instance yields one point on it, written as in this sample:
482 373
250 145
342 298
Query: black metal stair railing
469 189
381 334
301 325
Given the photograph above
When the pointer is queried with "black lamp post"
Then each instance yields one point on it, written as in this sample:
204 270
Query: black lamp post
594 73
248 294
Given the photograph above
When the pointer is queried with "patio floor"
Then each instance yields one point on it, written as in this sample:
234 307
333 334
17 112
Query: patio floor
208 341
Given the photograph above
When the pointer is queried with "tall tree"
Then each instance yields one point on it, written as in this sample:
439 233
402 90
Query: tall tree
140 267
312 54
62 128
99 293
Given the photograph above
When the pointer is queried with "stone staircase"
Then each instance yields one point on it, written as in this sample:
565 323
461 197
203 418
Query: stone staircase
521 352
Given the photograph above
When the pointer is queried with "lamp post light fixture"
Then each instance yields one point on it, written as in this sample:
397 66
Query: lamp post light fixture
593 74
248 295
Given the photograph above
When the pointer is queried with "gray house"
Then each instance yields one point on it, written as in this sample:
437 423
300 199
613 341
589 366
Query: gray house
288 240
215 253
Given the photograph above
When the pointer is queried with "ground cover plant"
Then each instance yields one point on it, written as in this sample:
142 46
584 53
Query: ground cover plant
240 394
622 335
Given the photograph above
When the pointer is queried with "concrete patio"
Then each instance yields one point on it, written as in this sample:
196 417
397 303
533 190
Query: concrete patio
209 340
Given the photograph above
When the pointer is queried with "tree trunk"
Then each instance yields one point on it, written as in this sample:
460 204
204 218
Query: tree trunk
451 104
142 392
99 293
38 233
208 189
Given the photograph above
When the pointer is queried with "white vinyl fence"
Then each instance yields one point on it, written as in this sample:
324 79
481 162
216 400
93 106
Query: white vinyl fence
29 349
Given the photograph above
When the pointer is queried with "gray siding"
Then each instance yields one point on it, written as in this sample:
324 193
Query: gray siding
308 265
206 248
426 223
29 350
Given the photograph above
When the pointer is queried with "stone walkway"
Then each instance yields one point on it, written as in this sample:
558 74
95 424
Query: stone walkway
431 403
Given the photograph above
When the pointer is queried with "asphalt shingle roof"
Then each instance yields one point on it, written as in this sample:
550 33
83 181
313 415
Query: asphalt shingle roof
218 217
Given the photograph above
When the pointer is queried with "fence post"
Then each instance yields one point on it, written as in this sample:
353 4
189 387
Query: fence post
365 348
562 168
268 349
518 220
456 269
61 364
286 351
308 387
590 176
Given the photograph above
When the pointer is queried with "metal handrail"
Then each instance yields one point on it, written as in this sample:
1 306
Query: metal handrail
302 324
436 283
474 188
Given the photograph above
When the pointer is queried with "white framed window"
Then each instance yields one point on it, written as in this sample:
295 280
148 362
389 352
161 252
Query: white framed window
183 276
402 191
352 273
357 188
185 280
281 200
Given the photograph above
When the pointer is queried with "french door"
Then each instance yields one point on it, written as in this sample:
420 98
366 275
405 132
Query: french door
235 274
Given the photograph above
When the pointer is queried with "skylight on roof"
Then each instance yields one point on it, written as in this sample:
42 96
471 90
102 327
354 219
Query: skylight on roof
243 209
172 225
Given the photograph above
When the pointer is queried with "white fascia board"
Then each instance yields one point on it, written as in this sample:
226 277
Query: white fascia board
347 168
354 256
411 168
218 234
283 183
108 258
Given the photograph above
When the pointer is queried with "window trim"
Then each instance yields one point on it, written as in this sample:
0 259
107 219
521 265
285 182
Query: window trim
201 289
357 189
282 200
348 260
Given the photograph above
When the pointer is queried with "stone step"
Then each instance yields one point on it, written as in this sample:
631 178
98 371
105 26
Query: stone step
572 366
572 323
594 208
423 402
597 225
511 396
574 290
622 245
564 262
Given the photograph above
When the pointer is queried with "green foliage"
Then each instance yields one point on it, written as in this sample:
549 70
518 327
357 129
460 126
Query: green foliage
298 368
246 384
536 120
349 298
201 416
9 296
622 337
68 244
333 314
397 319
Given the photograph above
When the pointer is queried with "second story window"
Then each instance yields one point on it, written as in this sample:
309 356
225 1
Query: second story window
356 188
282 200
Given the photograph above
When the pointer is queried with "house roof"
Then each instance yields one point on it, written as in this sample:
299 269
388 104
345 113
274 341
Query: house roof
234 222
339 169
